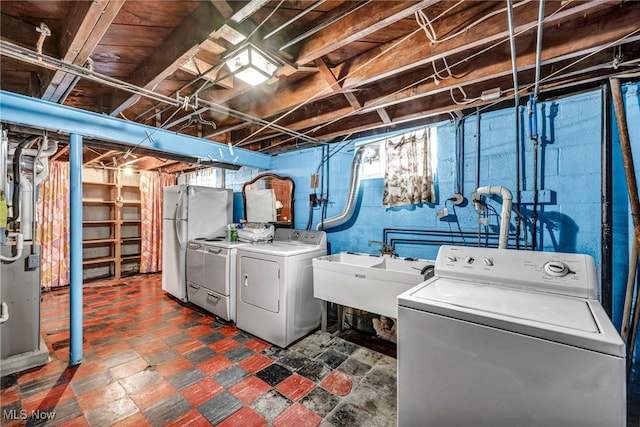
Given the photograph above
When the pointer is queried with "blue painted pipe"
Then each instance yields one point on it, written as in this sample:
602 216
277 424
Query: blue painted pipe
75 292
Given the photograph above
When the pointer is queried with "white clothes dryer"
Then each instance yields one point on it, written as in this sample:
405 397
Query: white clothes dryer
502 338
275 286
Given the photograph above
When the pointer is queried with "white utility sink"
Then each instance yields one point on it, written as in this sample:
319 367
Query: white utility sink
367 282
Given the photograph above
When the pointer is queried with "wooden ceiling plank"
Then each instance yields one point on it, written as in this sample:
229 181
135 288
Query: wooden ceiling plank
61 152
417 51
247 10
335 85
83 29
96 159
25 34
223 7
181 45
400 58
369 19
493 66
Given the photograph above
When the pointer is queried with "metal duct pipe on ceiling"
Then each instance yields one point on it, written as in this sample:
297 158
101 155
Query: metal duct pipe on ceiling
350 204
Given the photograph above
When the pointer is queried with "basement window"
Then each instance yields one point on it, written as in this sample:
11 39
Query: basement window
374 165
374 161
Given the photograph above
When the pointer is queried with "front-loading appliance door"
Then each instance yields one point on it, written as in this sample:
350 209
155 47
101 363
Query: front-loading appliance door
260 283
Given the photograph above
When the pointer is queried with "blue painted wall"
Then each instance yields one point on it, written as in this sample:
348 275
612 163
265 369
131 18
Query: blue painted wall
570 162
570 167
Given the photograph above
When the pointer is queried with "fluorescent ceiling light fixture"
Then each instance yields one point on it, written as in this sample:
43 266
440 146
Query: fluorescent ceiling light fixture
251 65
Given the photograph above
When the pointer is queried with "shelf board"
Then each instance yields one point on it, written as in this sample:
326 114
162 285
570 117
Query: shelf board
97 202
130 240
130 186
131 221
105 184
98 222
132 202
98 241
129 258
100 260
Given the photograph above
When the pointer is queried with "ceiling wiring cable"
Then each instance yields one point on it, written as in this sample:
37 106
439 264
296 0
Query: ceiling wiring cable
382 100
339 81
213 68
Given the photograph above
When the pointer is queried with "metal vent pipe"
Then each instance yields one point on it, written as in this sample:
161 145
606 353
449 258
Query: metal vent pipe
350 205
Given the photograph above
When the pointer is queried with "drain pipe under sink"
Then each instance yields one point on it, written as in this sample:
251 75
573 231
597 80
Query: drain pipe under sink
505 216
349 207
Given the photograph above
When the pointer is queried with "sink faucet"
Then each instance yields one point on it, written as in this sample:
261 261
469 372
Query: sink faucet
386 249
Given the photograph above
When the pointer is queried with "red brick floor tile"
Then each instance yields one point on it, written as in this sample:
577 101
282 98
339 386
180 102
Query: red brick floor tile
9 395
225 344
295 386
166 332
297 416
199 331
135 420
173 367
253 364
150 347
229 330
337 383
244 417
100 396
152 394
85 369
249 389
202 391
52 367
127 369
256 344
193 418
188 346
112 349
49 398
80 421
215 365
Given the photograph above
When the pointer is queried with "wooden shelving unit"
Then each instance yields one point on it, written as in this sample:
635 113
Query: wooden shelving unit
111 224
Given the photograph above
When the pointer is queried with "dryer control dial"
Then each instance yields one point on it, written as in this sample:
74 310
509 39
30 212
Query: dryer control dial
556 268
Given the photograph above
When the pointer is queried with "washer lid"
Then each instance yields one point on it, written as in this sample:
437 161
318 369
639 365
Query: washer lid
569 320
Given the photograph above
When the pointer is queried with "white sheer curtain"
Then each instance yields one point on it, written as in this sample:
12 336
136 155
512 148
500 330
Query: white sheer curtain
207 177
408 177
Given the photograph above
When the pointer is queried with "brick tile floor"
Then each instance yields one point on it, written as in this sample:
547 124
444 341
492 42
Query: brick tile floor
149 360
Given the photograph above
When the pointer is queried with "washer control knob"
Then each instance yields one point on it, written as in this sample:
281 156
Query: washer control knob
452 258
469 260
487 261
556 268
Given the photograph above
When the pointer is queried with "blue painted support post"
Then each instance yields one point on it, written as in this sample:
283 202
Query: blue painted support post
75 300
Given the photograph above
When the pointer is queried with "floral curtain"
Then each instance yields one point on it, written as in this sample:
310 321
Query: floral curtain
408 177
53 226
151 184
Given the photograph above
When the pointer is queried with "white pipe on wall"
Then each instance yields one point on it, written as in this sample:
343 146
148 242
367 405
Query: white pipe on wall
505 216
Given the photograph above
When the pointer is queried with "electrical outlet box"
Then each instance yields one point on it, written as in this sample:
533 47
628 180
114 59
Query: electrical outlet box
32 262
442 213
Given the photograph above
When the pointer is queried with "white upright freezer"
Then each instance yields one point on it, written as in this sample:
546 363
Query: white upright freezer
189 212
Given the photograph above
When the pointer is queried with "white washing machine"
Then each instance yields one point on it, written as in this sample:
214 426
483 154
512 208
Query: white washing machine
501 337
275 286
